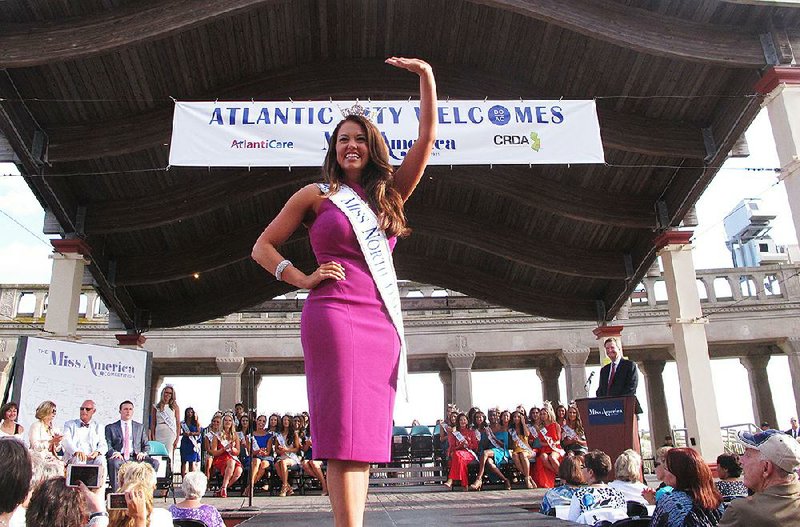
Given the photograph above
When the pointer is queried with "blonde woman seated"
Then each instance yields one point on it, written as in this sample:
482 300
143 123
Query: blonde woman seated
550 451
213 430
628 471
521 452
286 445
138 481
194 488
43 437
225 450
312 466
462 443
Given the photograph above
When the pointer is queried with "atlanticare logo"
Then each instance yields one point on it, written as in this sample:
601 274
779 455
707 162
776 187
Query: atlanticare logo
533 140
262 144
61 359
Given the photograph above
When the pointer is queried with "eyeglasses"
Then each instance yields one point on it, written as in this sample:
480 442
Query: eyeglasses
656 464
86 409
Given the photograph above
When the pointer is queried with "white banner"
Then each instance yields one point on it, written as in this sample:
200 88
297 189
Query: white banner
252 134
68 373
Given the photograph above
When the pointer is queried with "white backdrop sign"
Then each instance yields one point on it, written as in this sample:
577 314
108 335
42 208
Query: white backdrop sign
253 133
68 373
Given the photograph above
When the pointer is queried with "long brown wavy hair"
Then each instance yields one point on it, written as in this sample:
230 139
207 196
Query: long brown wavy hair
377 178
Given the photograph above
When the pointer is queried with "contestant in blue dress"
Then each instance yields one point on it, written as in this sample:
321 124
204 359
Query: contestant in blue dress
190 441
495 451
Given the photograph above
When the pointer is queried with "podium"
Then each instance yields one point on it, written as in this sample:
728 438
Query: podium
610 424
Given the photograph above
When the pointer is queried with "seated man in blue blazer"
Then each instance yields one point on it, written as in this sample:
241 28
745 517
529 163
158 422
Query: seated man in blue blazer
126 441
620 377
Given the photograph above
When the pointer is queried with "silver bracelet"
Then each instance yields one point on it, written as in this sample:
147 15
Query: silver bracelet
281 268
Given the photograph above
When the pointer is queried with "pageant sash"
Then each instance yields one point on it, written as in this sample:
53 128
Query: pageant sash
549 441
192 439
375 246
463 440
493 438
519 441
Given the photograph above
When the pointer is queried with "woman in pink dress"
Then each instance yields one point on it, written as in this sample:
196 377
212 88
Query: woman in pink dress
350 342
463 447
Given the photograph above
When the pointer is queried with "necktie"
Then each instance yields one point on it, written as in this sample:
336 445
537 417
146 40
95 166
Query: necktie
84 425
611 377
126 449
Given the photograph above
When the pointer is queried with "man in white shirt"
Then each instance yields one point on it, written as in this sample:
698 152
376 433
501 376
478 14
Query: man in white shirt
126 441
84 441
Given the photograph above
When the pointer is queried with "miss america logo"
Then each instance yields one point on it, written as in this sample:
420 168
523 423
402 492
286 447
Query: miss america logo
61 359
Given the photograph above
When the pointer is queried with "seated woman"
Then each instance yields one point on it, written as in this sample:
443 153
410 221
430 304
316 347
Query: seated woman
194 488
225 450
573 438
571 473
694 500
286 445
550 452
730 470
628 471
311 466
463 444
213 430
262 458
495 452
561 415
8 422
444 431
654 496
521 451
245 439
596 496
43 437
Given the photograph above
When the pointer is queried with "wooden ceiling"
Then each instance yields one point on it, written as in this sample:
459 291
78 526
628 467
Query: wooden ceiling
86 105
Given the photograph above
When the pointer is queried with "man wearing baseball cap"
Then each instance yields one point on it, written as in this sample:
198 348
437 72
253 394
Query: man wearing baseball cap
769 463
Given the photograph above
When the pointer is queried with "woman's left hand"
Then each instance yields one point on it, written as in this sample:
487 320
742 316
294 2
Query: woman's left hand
418 66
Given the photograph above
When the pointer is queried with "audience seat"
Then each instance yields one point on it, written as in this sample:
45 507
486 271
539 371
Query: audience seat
421 444
636 509
188 522
164 475
401 445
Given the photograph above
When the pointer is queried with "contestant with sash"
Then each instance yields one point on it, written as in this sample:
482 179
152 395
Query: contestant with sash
286 444
225 450
262 456
463 444
495 452
190 441
550 452
164 420
521 451
351 327
209 434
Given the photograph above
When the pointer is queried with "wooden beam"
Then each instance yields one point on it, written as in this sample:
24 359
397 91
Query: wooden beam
37 43
645 31
363 78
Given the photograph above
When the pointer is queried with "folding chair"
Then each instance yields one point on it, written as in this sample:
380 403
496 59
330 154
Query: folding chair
188 522
401 445
421 444
164 474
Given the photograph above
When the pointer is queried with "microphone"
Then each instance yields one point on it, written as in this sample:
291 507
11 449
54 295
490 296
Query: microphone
591 375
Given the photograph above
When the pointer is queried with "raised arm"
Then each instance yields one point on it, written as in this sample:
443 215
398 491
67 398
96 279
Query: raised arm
410 171
288 220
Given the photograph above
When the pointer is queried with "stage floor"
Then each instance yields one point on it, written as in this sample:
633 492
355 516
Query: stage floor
417 506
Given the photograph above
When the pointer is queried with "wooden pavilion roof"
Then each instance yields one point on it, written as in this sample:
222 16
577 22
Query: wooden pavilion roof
86 105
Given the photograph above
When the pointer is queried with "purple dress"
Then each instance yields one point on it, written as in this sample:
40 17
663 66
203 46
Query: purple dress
351 349
205 513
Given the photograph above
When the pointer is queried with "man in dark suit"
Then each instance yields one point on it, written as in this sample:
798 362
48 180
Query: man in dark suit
793 431
126 441
620 377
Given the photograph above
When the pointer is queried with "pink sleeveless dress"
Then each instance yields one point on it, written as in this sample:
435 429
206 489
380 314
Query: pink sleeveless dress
351 350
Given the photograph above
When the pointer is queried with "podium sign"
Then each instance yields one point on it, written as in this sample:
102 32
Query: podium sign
610 424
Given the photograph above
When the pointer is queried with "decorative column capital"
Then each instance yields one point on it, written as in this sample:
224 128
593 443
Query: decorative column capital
71 246
776 76
574 356
672 239
652 368
230 365
755 362
790 346
549 370
602 332
130 339
461 360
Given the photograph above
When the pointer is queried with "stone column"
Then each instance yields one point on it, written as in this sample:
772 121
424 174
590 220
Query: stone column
6 356
791 347
460 363
447 387
574 361
230 386
760 391
781 85
548 374
656 401
691 346
38 310
69 261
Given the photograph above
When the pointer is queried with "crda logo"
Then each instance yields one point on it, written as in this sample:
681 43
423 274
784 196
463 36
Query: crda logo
533 140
